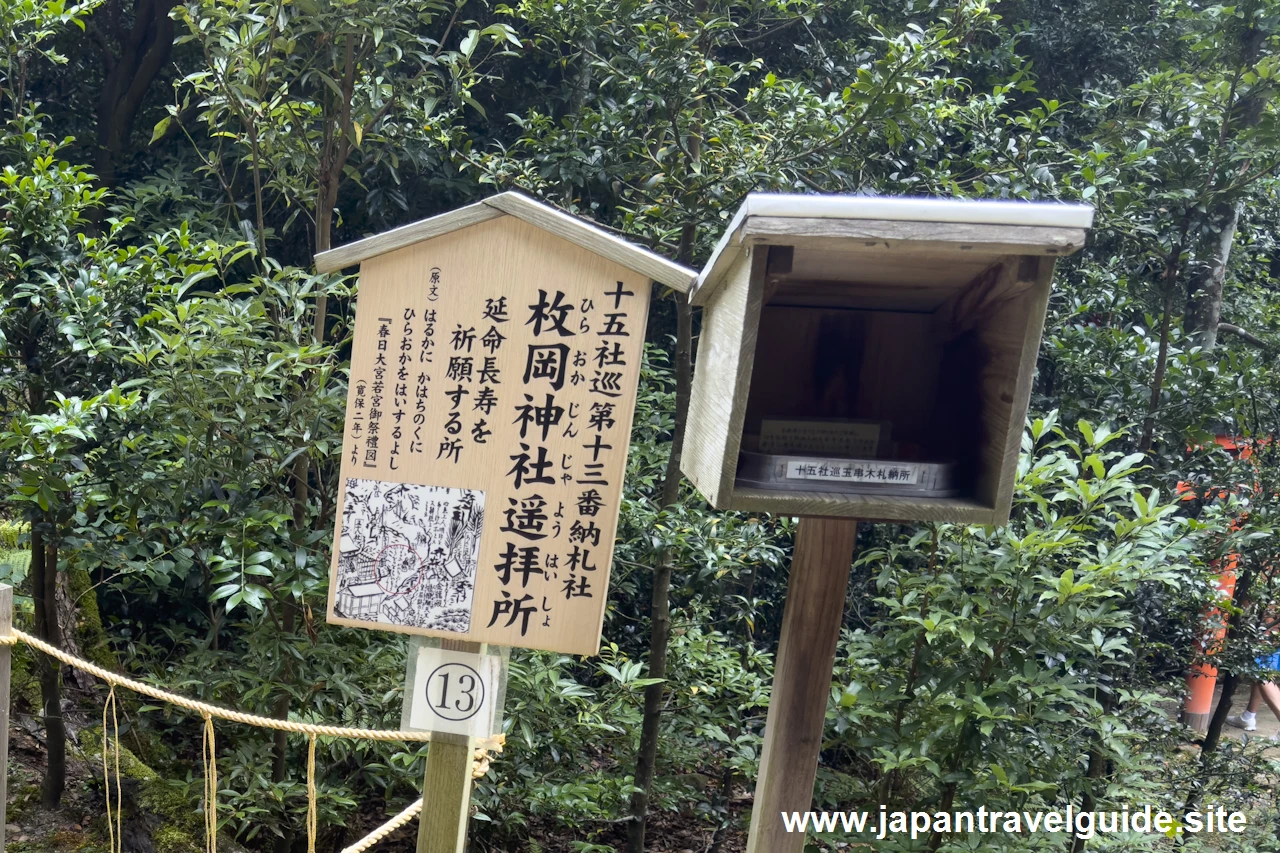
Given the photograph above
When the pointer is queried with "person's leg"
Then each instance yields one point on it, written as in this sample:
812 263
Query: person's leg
1248 718
1271 695
1264 690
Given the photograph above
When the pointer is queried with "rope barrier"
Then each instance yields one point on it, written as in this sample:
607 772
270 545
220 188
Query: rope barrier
410 812
209 753
208 711
115 834
226 713
311 794
478 769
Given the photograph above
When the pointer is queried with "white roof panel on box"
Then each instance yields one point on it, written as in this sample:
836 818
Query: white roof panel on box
972 227
918 209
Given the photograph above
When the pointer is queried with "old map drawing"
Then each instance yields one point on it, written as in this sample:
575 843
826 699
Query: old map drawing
408 554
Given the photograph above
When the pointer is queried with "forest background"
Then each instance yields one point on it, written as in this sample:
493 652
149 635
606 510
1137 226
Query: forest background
172 381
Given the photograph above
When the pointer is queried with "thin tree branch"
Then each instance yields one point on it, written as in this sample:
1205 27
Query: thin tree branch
1244 334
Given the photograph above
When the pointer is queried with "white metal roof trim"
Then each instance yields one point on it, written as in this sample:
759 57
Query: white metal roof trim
900 208
917 209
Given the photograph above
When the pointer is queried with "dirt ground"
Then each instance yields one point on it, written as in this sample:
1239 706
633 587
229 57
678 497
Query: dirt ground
30 829
79 825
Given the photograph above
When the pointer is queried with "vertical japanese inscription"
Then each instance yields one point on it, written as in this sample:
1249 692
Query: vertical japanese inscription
373 430
509 372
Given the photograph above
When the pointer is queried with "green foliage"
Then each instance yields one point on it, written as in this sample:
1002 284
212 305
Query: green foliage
11 534
14 559
170 417
663 122
29 26
1001 656
239 388
152 799
305 96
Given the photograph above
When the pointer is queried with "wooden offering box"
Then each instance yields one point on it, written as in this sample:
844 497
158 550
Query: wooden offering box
921 315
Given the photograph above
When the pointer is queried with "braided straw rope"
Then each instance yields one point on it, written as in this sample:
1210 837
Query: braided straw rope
479 767
480 764
311 794
410 812
206 709
115 834
209 754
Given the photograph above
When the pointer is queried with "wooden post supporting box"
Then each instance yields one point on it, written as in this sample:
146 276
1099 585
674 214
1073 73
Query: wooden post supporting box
863 358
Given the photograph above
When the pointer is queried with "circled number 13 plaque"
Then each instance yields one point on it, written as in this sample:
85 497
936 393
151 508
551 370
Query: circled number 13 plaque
453 692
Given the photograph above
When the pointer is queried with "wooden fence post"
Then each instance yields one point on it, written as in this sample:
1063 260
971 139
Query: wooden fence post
801 680
446 790
6 666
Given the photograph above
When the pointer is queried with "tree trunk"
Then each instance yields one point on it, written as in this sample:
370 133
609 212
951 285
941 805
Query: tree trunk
259 199
1204 291
948 800
280 710
581 88
324 227
646 760
1204 304
1162 364
144 51
660 618
1097 769
333 161
68 627
289 624
1213 735
44 591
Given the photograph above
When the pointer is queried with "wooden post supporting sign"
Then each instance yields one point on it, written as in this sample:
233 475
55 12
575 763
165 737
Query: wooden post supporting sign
446 796
802 680
446 791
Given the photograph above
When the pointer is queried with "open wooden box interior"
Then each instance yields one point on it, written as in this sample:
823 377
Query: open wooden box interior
934 344
933 349
920 314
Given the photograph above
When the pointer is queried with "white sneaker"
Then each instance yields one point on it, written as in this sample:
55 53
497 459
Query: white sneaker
1244 720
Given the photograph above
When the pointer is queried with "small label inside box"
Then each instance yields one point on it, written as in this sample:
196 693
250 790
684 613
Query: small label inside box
851 471
839 438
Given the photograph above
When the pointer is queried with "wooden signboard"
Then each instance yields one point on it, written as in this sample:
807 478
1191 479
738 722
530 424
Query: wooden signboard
493 380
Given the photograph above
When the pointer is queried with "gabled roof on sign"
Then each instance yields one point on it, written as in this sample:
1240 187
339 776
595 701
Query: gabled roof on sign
578 231
1031 227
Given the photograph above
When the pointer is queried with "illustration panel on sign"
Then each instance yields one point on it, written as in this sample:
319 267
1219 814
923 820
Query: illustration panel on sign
408 554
